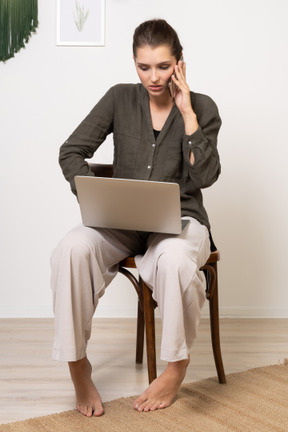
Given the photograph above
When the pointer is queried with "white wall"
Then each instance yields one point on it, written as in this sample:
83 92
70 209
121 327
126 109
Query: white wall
236 51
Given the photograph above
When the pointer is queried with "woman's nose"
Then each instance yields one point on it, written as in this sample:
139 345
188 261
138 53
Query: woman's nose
154 76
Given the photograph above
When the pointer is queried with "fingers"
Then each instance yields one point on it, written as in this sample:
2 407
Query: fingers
181 68
184 69
179 76
182 96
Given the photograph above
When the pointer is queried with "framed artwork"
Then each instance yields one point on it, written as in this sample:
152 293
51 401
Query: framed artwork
81 22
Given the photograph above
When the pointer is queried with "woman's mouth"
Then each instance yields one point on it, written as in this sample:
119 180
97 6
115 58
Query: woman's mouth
155 87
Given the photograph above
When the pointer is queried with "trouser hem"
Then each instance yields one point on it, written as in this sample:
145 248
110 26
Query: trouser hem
68 355
174 356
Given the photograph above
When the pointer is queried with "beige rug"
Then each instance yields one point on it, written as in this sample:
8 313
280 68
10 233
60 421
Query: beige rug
251 401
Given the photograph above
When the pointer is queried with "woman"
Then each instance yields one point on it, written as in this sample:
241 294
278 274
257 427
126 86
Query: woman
161 134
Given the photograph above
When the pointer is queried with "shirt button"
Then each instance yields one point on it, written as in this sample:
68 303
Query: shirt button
153 145
190 142
149 166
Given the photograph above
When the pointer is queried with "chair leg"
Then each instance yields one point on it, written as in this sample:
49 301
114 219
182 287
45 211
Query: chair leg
215 331
140 334
150 331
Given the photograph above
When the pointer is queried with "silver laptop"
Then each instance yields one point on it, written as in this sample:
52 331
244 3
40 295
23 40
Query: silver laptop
129 204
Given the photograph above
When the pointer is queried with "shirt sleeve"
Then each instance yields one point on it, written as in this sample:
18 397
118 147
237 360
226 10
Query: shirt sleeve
203 143
85 140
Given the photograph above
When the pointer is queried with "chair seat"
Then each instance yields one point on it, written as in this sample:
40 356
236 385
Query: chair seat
129 262
214 257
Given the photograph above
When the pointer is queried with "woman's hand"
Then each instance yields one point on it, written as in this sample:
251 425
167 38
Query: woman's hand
182 93
183 100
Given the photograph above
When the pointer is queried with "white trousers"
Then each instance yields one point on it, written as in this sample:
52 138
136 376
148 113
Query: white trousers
86 261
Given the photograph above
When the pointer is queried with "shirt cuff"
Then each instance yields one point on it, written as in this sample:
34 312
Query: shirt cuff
192 141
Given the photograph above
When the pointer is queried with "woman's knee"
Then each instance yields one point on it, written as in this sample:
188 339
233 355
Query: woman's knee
177 271
76 244
175 261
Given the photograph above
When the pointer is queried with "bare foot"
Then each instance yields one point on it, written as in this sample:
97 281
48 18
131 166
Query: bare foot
162 391
88 400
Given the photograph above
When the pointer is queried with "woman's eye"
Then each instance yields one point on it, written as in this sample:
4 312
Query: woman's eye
164 67
143 68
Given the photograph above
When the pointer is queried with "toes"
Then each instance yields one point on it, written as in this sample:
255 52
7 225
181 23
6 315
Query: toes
140 406
84 410
98 412
90 411
162 405
139 402
143 407
150 405
153 406
157 406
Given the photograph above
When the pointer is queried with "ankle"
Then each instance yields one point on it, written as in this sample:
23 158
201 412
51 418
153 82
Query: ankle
180 363
79 368
178 367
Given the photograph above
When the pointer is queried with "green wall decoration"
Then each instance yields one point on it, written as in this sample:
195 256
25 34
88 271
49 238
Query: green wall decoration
18 19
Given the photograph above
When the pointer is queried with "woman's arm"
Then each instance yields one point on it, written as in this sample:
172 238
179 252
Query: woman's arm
202 124
85 140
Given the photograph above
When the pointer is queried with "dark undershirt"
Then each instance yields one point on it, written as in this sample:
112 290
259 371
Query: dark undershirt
156 133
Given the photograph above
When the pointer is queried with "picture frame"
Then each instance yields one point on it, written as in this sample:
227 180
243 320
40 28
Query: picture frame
80 23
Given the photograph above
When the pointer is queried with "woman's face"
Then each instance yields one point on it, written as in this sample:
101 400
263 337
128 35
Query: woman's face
154 66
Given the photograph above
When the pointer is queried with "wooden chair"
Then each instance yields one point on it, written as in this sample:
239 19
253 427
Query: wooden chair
146 303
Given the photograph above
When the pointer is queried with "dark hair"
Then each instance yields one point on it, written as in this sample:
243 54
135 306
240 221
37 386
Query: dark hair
157 32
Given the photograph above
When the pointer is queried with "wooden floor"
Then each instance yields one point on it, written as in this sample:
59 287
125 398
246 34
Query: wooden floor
31 384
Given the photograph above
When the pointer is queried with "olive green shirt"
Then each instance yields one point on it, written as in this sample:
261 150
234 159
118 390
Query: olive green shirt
124 111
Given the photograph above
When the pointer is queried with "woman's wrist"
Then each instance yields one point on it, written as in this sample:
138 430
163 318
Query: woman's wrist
190 122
